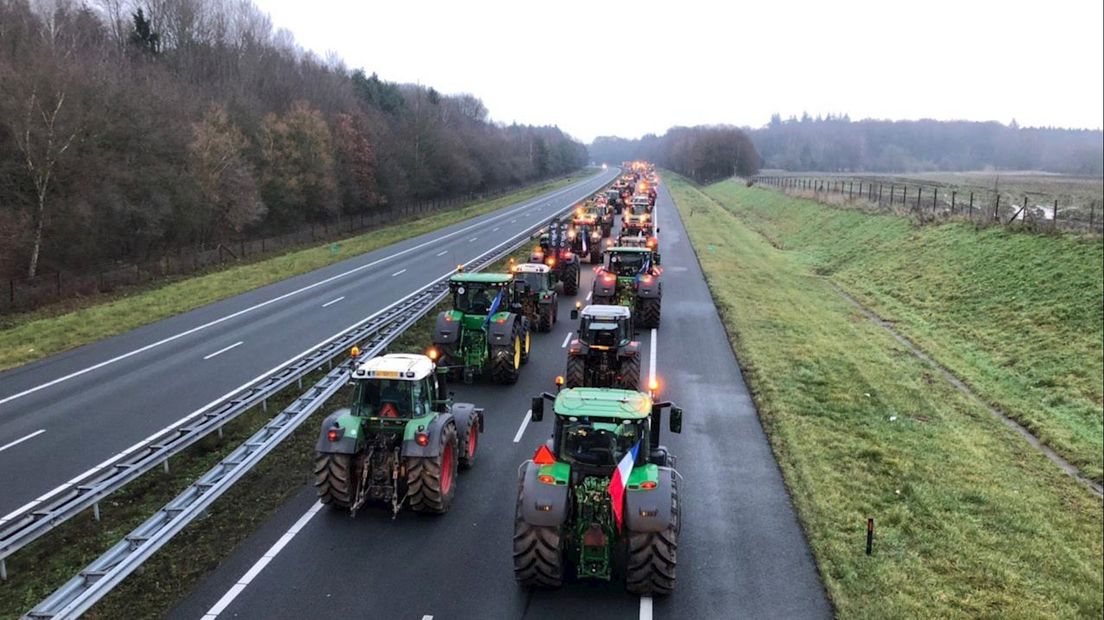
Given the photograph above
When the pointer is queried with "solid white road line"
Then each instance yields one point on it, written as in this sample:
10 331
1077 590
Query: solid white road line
567 339
22 439
332 302
427 617
524 423
652 362
398 273
223 350
442 253
268 302
256 569
645 608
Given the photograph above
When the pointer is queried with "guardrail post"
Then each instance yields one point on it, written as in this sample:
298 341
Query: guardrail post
3 570
96 511
954 193
165 465
996 209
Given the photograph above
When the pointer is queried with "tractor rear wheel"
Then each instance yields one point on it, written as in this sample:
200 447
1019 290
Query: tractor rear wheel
526 336
653 556
630 373
538 550
575 375
649 312
596 254
506 362
431 481
335 479
571 280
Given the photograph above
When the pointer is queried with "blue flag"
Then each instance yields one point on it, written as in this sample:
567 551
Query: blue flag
494 306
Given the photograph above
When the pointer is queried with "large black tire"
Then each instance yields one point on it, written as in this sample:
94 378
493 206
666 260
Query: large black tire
505 366
596 254
538 550
526 336
467 442
571 279
630 373
653 556
431 481
335 479
649 312
449 360
547 317
575 375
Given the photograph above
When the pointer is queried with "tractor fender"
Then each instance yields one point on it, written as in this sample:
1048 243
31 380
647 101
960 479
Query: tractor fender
446 332
344 445
464 412
577 347
434 430
604 289
501 333
654 510
630 350
650 290
542 504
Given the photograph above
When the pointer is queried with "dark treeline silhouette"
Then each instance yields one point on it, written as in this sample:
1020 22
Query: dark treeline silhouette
837 144
704 154
131 128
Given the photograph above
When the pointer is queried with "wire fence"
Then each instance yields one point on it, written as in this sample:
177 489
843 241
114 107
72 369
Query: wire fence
930 202
51 286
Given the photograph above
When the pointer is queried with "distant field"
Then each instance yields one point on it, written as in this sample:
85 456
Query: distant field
971 520
1014 183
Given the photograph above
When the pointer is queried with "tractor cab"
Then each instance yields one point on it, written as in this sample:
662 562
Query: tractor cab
604 326
395 386
534 294
532 277
626 262
475 293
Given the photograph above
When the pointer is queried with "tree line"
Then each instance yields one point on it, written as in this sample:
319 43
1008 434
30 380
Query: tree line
128 129
835 143
703 153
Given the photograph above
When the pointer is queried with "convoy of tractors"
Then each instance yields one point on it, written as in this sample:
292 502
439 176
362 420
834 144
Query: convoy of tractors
599 498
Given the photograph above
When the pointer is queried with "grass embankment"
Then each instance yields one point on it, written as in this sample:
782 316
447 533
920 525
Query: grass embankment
1019 318
34 336
168 576
971 520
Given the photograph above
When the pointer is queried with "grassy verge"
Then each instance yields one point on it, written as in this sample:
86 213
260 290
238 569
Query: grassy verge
971 521
177 568
1018 317
34 336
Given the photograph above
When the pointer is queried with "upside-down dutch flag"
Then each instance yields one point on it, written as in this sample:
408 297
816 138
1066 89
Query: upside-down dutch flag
619 480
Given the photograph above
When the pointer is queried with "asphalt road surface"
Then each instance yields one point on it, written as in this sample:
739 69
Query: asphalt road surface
741 551
69 412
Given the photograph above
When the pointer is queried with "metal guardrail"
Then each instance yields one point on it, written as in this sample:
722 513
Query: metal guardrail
27 523
107 571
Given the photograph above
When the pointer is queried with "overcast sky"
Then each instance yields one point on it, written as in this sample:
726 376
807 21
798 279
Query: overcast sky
629 68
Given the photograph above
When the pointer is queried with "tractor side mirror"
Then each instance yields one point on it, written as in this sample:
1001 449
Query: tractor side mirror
676 419
537 408
657 230
575 315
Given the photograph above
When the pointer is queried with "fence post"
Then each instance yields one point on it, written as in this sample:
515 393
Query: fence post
1092 215
879 194
904 195
1055 214
953 194
919 193
971 206
935 197
996 209
850 190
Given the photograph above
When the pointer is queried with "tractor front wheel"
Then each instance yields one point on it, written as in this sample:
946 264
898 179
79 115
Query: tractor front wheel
335 479
649 312
431 481
538 550
653 556
575 375
506 362
526 336
467 442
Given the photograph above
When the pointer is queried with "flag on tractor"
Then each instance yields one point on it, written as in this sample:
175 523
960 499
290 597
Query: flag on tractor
619 480
494 306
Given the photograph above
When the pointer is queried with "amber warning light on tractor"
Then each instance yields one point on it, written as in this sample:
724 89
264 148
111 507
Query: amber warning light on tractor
432 354
355 351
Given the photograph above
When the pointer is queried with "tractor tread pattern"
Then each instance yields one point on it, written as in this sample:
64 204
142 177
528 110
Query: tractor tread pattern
333 476
423 478
653 556
575 375
630 373
650 312
538 550
502 365
571 280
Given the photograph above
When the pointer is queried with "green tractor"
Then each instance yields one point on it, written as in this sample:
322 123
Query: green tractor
401 440
630 276
535 295
480 335
603 354
601 496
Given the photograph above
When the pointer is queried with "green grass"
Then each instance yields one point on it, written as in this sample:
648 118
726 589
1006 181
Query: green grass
1018 317
971 520
35 336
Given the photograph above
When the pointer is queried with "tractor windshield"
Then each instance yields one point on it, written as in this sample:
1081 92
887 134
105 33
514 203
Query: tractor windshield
473 297
627 263
390 398
601 332
600 443
535 281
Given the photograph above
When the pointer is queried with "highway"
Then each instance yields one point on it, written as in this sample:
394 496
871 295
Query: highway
69 412
742 553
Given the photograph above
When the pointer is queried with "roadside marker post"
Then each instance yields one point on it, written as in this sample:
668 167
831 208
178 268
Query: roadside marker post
870 536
